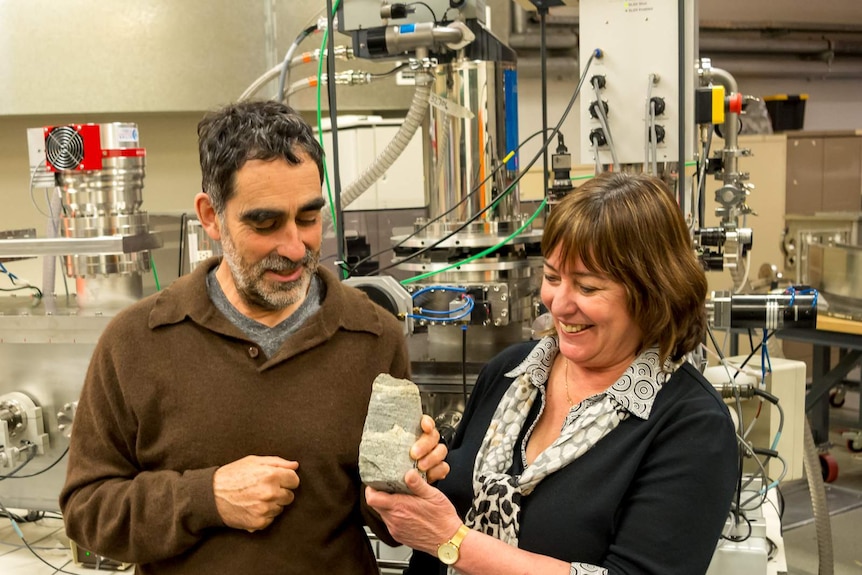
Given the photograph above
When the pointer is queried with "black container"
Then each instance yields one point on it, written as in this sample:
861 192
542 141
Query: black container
786 112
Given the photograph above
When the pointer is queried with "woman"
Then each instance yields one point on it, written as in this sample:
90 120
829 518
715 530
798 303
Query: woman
597 449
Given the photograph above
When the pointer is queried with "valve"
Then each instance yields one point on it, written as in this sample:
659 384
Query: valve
658 105
659 134
594 108
598 138
599 81
734 103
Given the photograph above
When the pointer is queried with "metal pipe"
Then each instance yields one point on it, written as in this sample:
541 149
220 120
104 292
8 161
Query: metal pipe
71 245
555 66
730 128
784 68
555 41
723 42
724 78
726 43
422 36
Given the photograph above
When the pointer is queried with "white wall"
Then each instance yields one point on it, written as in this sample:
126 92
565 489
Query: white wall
832 104
172 173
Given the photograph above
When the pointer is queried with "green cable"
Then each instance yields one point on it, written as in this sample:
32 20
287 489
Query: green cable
155 273
320 129
320 112
482 253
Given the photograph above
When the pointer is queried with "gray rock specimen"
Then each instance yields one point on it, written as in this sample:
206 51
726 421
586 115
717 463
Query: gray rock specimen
392 426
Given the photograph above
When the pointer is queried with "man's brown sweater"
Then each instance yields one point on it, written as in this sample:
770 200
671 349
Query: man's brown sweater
174 390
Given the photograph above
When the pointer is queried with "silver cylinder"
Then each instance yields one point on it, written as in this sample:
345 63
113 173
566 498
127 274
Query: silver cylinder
471 128
106 202
473 113
117 188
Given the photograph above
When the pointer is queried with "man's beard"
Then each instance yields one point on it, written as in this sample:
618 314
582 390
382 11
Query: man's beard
258 291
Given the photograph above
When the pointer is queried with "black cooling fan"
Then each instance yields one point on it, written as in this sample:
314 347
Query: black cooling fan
64 148
73 147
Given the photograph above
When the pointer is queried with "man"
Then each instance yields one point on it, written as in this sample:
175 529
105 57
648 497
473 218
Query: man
218 428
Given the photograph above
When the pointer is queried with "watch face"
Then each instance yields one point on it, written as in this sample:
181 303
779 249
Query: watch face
447 553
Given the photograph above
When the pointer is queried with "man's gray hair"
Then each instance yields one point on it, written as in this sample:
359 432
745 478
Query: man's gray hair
253 130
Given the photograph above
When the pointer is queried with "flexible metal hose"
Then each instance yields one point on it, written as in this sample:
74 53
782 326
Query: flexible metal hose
412 122
740 276
817 491
260 82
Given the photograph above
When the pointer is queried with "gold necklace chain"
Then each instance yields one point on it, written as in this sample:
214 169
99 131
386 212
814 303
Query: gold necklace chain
569 397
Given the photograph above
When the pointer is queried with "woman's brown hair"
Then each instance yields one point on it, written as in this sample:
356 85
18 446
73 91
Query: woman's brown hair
630 228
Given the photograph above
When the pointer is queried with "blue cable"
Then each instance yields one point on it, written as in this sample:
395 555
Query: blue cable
12 276
806 291
439 287
765 361
468 306
443 312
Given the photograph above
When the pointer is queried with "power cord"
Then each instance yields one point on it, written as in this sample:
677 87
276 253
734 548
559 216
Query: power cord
12 519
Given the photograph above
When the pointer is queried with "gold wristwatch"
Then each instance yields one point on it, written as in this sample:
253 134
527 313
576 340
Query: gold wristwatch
448 552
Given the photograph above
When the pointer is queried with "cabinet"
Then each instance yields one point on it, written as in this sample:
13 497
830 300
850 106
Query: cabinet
824 172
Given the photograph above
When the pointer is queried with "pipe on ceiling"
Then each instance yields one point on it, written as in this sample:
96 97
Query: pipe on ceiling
764 67
558 40
716 42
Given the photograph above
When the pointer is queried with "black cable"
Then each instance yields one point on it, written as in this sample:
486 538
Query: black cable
715 343
478 187
33 551
765 395
19 288
773 549
433 15
184 219
341 248
41 471
550 138
736 539
31 453
22 546
390 72
753 351
543 58
285 64
14 516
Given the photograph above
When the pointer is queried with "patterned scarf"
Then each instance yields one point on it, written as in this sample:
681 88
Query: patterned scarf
497 495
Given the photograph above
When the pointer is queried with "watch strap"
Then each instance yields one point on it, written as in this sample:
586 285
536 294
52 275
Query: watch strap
459 535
